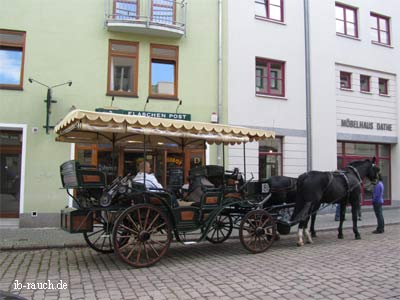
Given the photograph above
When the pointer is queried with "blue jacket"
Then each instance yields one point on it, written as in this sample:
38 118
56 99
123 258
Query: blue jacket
378 193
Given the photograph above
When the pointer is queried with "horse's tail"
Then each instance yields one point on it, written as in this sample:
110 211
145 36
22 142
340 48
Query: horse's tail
302 207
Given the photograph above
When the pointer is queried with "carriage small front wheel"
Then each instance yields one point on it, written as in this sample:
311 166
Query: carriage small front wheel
257 231
220 230
100 238
146 235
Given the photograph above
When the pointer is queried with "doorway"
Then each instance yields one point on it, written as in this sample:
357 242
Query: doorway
10 172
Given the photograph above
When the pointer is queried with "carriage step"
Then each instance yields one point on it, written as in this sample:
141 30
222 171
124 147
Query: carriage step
189 243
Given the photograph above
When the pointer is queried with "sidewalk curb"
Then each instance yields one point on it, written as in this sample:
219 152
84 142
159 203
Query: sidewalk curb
82 245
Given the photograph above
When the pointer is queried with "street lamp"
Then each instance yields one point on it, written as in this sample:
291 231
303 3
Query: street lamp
49 100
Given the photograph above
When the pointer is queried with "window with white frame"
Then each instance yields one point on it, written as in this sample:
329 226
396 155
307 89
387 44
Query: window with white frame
380 29
270 77
269 9
346 20
123 68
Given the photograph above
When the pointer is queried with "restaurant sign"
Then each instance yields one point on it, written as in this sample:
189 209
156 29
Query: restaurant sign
153 114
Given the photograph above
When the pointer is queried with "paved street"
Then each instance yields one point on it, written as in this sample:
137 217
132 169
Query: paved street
328 269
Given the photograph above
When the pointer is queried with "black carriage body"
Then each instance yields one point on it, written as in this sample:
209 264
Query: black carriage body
74 175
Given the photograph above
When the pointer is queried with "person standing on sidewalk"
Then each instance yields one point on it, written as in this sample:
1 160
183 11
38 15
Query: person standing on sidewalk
377 202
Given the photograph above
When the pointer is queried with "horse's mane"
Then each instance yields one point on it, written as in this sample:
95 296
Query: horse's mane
356 163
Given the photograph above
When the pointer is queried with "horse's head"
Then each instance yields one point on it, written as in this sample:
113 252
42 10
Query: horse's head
367 168
373 170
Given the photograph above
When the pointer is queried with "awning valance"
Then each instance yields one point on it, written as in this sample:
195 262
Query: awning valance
103 127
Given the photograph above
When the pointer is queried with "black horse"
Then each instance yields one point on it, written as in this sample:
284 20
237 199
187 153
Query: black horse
314 188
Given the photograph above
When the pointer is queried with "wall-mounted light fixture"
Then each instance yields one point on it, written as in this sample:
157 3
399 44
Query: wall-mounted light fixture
49 100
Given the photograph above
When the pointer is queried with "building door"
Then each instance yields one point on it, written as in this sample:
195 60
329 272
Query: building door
10 173
348 151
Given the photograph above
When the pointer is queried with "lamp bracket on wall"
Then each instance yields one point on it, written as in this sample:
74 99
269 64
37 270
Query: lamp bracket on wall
49 100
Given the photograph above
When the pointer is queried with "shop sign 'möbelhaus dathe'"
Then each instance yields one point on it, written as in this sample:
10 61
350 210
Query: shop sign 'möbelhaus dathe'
365 125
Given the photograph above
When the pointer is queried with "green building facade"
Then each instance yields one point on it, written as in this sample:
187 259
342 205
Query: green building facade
137 56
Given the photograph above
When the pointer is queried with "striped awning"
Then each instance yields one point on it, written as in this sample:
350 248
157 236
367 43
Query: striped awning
80 126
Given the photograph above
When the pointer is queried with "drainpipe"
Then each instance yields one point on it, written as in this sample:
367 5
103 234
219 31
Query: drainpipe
219 110
308 83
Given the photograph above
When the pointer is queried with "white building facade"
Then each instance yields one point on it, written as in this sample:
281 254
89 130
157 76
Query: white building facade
353 78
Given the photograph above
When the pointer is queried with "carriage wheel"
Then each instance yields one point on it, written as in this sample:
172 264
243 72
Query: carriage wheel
220 229
257 231
146 233
100 238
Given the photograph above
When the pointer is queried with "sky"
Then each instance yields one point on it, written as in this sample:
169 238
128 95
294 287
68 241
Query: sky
162 73
10 66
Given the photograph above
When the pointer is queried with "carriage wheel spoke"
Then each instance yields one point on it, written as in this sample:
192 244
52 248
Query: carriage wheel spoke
145 250
102 244
129 229
96 232
146 219
131 252
133 222
157 228
154 250
152 223
139 218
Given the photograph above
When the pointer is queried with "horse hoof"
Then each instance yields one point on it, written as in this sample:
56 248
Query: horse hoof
313 234
358 237
300 244
310 242
340 236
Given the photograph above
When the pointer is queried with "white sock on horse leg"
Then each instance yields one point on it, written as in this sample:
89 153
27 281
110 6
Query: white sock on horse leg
308 236
300 241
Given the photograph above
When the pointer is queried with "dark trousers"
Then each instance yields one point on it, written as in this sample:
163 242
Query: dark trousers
379 216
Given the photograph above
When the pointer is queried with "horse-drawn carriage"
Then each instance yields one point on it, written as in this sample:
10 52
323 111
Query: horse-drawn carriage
139 224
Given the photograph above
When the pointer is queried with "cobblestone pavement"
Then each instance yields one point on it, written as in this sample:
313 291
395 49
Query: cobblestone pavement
328 269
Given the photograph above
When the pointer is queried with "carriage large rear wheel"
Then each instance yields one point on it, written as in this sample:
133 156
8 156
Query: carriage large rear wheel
257 231
146 233
220 230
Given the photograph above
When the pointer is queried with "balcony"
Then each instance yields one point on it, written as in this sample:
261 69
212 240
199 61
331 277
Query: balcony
162 18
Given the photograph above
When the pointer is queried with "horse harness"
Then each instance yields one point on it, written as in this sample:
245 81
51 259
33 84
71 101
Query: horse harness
346 180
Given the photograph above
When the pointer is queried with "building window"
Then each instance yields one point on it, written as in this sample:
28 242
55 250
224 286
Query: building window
346 20
345 80
270 9
270 158
364 83
163 11
270 77
380 29
122 68
383 86
163 71
125 9
12 53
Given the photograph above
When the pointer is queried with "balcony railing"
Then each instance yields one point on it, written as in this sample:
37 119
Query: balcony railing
165 18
